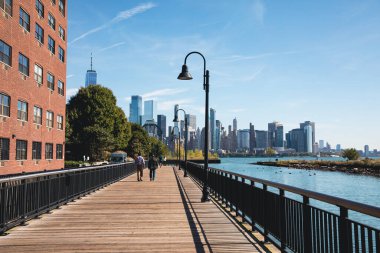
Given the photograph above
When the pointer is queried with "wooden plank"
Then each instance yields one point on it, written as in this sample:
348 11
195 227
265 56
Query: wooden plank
129 216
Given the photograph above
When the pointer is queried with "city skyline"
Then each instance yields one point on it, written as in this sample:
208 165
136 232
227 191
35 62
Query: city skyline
264 66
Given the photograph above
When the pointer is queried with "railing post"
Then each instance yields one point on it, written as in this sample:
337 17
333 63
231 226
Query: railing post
344 231
23 204
265 191
306 210
282 221
252 206
242 200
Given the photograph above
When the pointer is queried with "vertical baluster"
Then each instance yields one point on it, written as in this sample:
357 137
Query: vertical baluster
370 243
329 223
362 233
356 237
264 208
282 221
252 198
325 233
344 231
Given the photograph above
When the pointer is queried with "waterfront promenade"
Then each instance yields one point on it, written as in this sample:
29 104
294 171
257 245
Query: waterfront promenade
129 216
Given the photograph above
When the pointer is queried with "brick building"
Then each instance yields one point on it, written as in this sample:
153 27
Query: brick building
33 44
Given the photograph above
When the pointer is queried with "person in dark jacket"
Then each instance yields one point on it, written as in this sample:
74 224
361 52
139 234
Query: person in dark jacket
152 165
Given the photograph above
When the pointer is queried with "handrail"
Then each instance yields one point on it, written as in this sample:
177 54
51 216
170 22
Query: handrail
349 204
290 224
56 172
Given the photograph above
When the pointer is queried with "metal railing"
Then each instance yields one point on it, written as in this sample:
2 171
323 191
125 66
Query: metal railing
292 225
25 197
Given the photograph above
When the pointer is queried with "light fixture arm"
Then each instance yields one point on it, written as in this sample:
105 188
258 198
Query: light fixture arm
205 74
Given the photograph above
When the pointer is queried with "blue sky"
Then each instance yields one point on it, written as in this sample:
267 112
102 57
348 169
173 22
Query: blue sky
287 61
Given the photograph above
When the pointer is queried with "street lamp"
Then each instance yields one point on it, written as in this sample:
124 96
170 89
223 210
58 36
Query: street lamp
186 133
185 75
179 144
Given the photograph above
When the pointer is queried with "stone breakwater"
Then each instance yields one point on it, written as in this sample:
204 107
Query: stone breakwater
345 167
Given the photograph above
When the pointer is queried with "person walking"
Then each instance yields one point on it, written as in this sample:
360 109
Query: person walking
140 164
152 165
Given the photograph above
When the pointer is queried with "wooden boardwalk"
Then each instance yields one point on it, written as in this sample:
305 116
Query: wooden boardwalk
129 216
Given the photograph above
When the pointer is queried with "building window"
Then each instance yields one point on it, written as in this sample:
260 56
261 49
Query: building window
61 54
37 115
60 88
6 6
22 110
21 150
60 122
5 53
40 8
53 2
49 119
59 148
61 6
51 21
61 32
24 20
36 150
39 33
4 149
23 64
38 74
48 151
50 81
51 45
5 104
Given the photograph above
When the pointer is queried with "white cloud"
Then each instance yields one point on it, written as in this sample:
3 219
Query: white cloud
112 46
163 92
69 76
168 105
120 17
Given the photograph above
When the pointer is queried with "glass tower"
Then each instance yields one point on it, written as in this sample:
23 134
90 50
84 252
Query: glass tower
91 76
135 109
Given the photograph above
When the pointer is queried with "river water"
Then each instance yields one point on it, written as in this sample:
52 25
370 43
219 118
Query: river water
359 188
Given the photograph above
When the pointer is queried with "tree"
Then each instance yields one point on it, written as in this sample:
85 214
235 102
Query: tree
95 124
270 151
351 154
139 142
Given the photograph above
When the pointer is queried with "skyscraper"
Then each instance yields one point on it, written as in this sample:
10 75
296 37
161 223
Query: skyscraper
312 124
135 109
91 76
321 144
366 150
261 139
191 122
217 134
234 123
149 111
161 122
252 138
275 135
243 139
308 130
213 128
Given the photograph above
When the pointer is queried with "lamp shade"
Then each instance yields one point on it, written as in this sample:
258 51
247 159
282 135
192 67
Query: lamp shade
184 75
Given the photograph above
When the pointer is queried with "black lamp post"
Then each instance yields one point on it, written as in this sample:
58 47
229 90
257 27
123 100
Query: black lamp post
186 133
179 144
185 75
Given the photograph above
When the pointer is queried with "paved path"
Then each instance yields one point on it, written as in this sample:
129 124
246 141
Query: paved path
129 216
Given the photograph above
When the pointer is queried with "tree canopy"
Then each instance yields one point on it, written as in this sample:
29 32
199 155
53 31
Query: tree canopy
351 154
95 124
